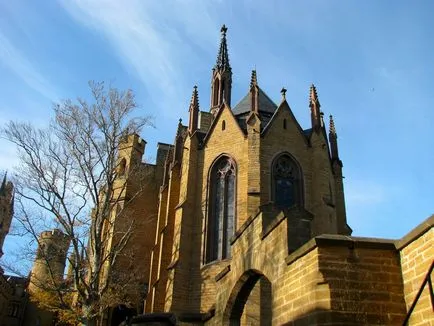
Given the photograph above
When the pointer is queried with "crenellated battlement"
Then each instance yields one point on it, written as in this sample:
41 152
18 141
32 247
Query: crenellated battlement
54 234
133 140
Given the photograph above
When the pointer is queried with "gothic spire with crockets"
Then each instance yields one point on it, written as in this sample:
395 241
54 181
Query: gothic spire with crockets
221 82
222 63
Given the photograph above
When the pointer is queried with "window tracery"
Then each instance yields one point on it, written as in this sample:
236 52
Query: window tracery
221 215
286 183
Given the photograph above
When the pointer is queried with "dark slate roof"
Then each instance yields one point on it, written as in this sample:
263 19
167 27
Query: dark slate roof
265 104
307 132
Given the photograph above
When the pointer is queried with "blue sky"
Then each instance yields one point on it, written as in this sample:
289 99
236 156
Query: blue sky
370 60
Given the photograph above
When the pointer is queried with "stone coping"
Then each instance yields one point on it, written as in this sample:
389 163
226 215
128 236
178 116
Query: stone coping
222 273
335 240
243 227
361 242
417 232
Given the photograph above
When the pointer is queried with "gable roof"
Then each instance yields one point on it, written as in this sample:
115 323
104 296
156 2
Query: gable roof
222 107
285 106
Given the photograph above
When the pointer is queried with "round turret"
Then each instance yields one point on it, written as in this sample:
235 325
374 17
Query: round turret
49 265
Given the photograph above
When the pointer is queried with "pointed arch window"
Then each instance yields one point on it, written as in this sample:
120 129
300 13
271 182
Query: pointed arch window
216 91
221 214
286 182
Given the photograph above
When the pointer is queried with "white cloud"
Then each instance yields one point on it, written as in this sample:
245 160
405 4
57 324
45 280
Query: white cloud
14 60
152 39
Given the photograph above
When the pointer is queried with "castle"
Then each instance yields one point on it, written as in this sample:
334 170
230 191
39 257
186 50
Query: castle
242 221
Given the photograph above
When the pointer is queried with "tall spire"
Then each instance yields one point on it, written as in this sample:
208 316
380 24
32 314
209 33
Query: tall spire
333 138
223 56
315 111
254 92
221 82
194 111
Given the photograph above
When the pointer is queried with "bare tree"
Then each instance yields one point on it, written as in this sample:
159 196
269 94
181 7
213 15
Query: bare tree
69 177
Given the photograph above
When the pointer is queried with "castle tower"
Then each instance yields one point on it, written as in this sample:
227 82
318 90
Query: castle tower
131 150
6 209
49 265
221 83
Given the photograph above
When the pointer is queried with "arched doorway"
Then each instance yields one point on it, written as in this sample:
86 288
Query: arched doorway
250 301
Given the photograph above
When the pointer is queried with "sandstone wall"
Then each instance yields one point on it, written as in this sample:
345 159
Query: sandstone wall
417 256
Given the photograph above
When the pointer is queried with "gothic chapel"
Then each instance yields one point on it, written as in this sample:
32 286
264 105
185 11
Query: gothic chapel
231 166
250 225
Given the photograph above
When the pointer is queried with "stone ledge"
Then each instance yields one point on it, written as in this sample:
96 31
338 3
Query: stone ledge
335 240
417 232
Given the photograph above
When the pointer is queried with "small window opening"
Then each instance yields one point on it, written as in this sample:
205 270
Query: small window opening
284 123
223 125
122 167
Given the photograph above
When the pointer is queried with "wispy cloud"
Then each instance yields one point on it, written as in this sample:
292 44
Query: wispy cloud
152 48
14 60
361 193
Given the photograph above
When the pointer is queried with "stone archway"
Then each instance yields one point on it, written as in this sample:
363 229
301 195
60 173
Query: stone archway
250 301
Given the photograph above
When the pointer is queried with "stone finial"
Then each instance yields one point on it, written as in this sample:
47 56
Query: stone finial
223 30
283 92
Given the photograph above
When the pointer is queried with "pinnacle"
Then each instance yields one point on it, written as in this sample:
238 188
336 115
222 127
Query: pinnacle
194 103
313 93
253 79
313 97
332 126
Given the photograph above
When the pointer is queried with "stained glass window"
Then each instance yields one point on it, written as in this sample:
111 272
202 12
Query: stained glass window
287 184
221 215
